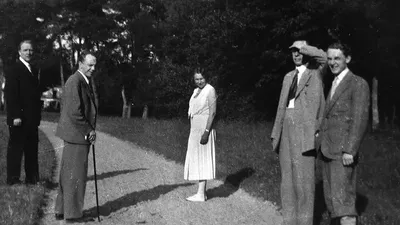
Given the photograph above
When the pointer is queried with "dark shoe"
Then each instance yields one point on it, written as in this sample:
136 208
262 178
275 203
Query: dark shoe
80 220
59 216
13 182
30 182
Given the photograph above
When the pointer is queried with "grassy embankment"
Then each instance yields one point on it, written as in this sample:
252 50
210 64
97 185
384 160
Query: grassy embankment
21 204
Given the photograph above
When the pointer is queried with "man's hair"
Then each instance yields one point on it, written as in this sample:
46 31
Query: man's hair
83 55
23 42
343 47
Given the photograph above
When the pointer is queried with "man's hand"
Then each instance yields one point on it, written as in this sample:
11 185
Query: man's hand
17 122
92 136
347 159
204 138
304 50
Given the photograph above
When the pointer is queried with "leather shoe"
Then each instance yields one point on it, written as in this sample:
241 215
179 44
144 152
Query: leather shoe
30 182
59 216
197 198
13 182
80 220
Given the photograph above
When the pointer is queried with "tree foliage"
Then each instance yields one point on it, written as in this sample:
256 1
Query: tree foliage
150 47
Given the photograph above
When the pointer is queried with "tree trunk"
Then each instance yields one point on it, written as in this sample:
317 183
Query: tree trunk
62 82
72 58
127 106
2 83
394 117
375 112
145 112
79 47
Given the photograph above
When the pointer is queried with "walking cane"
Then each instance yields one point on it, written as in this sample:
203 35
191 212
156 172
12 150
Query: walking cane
95 182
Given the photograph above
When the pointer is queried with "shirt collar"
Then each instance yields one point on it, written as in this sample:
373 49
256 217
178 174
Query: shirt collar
25 63
342 74
301 69
83 75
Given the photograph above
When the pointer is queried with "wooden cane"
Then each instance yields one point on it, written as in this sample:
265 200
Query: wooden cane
95 182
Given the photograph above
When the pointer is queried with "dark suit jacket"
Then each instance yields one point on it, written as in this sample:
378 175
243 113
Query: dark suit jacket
22 95
79 111
345 118
309 101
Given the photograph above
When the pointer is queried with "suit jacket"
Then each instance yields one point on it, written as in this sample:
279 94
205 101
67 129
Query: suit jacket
79 111
22 95
345 118
309 100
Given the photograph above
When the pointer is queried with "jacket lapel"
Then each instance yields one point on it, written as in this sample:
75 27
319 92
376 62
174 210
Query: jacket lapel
303 81
286 87
88 90
339 90
32 76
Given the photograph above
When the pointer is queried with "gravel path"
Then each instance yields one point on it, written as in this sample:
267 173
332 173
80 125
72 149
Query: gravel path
139 187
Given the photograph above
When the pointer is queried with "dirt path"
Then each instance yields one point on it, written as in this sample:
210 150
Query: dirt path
140 187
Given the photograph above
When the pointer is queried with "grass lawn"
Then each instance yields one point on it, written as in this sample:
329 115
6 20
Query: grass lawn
245 160
20 204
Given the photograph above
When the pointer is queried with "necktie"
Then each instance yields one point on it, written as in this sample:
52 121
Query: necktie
293 87
334 85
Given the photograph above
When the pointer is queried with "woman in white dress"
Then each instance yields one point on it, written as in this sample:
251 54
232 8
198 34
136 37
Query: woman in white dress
200 156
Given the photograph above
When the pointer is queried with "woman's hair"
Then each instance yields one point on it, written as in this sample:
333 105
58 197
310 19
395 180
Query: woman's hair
201 71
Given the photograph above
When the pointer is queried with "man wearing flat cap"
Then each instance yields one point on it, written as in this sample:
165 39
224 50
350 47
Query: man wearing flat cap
298 116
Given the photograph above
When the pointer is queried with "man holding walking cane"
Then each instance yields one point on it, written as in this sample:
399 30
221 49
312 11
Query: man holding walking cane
77 128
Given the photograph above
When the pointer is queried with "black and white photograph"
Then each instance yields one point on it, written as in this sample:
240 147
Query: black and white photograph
199 112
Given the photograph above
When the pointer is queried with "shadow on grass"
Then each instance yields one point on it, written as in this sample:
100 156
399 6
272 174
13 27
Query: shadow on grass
114 173
320 210
133 198
231 184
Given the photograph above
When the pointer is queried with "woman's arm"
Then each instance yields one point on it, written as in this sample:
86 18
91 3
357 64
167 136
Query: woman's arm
212 105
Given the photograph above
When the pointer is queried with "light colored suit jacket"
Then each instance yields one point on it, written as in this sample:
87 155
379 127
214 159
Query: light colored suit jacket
309 100
79 111
345 118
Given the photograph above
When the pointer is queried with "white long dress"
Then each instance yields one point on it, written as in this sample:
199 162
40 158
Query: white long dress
200 159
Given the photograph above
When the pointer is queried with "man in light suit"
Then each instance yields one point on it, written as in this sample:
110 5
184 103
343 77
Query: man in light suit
77 128
298 116
22 95
343 127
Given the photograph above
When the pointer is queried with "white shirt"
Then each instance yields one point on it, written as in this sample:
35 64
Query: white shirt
83 75
301 70
342 75
339 79
25 63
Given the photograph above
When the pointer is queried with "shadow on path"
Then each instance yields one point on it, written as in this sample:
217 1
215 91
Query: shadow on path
133 198
114 173
231 184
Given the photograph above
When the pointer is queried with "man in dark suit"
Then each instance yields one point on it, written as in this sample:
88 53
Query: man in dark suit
298 116
77 128
343 127
22 95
